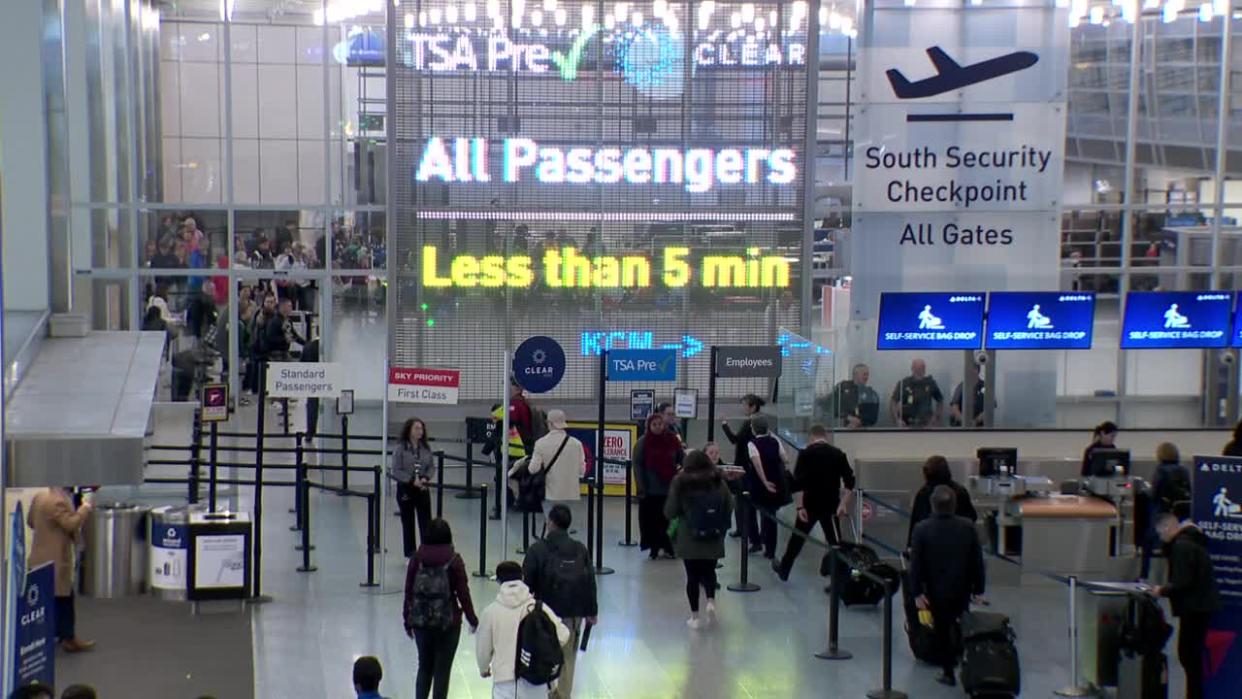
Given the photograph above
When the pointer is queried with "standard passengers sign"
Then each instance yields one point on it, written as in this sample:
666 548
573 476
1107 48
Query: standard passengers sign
417 385
306 379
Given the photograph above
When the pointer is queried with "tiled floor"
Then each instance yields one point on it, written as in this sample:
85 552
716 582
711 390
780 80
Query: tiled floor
306 640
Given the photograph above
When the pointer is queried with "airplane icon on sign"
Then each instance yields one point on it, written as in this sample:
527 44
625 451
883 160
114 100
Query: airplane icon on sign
951 75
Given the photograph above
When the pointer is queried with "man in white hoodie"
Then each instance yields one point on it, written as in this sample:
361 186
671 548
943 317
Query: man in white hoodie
497 640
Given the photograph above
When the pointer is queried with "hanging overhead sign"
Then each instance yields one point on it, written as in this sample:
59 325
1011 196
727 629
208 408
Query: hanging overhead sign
306 379
745 361
642 365
420 385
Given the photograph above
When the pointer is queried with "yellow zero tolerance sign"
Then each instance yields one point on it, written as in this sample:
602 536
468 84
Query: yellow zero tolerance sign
567 268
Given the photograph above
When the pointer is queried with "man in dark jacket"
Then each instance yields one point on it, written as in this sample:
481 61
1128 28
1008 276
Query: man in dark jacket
946 571
558 572
821 471
1192 592
936 472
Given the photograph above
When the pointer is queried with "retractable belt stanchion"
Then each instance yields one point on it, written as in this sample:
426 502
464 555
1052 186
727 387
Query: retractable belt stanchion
344 454
299 476
371 508
886 690
439 485
1075 688
834 651
376 492
590 528
196 450
257 509
600 568
482 571
302 494
744 584
214 453
499 487
470 492
629 505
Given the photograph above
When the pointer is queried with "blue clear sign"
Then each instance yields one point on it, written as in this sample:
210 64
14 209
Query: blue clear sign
1217 511
642 365
35 643
932 321
1040 320
539 364
1176 319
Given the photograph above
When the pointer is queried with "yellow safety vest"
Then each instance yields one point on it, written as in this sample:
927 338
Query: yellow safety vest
517 449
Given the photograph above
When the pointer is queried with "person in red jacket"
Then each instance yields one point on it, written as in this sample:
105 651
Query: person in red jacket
521 417
437 645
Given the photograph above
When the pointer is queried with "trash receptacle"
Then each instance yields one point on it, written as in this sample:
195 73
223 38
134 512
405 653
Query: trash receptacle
167 555
116 551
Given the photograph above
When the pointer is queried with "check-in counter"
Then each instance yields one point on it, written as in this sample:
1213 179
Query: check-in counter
1067 534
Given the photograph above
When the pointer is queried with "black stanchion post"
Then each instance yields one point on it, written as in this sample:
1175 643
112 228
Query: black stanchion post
196 448
600 568
257 509
211 486
711 398
344 454
284 415
629 505
744 584
834 652
590 537
376 485
470 492
439 485
482 571
299 475
500 485
302 493
886 690
370 542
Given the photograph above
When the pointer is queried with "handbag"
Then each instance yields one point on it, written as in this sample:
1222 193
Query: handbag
532 487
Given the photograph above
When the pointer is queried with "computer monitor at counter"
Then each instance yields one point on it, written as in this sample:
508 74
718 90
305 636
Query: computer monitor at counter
997 461
1110 463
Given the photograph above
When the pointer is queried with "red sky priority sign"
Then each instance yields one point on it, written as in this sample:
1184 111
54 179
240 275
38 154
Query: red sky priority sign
420 385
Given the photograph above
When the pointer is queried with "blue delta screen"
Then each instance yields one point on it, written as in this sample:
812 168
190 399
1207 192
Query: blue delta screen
1040 320
1176 319
930 321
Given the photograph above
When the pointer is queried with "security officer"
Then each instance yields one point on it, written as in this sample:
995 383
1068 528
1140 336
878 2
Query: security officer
855 403
977 405
917 400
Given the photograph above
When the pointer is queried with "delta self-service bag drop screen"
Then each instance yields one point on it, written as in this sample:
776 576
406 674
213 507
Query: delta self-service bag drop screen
930 321
1040 320
1176 319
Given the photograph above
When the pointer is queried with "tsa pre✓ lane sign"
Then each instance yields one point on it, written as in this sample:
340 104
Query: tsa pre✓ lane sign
419 385
642 365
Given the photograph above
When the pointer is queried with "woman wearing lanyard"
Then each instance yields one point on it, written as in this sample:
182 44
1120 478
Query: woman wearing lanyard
413 466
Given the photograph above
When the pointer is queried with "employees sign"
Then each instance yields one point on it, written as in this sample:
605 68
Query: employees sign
433 386
742 361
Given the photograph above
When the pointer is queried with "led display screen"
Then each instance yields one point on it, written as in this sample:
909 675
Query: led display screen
1176 319
930 321
1040 320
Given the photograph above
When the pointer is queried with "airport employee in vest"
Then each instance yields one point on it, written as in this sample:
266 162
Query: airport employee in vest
517 449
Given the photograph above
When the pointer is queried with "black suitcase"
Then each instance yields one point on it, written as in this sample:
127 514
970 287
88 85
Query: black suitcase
1143 676
856 588
921 637
990 665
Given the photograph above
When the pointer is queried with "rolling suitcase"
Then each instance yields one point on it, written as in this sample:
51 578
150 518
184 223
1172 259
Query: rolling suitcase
918 633
990 665
853 559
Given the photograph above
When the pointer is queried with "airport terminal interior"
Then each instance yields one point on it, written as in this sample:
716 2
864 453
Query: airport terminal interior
245 242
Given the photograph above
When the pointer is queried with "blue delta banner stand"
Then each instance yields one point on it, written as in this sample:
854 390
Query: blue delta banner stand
1217 510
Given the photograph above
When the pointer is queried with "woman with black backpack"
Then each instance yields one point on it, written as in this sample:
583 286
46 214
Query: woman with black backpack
699 504
437 596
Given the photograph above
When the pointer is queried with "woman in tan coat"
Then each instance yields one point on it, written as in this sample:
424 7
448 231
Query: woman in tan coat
56 525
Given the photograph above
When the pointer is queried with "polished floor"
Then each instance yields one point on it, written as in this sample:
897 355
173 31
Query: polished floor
307 637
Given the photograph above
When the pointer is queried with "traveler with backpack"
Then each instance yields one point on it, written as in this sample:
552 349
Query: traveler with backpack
657 456
521 416
413 468
1170 490
520 640
437 596
946 572
1192 592
936 473
699 502
558 573
821 471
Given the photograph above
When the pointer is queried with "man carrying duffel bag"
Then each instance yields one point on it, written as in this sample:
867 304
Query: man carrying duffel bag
946 572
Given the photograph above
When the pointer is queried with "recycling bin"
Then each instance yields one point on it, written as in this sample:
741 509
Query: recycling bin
116 551
167 552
